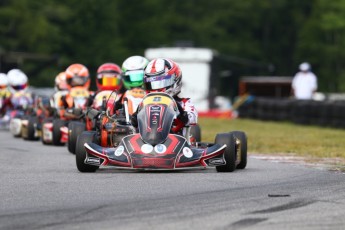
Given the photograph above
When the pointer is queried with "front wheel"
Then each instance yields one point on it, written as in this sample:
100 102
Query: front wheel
230 151
75 128
80 152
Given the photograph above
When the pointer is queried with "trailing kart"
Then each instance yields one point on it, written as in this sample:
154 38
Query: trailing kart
155 147
32 124
22 103
56 131
101 101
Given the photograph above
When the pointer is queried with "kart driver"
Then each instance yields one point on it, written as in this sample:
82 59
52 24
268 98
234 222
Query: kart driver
133 79
5 94
108 79
165 75
61 89
78 83
18 85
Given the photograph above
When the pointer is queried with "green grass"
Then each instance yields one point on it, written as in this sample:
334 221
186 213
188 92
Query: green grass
281 138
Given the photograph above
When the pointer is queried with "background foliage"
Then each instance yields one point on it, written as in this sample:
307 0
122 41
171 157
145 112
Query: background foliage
248 34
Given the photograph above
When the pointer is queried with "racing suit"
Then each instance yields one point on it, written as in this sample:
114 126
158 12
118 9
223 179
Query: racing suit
5 101
134 96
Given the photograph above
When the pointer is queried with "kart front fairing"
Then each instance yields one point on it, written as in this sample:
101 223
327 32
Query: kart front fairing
173 153
155 118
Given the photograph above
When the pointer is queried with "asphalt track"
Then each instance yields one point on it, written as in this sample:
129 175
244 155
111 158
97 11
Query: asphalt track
41 188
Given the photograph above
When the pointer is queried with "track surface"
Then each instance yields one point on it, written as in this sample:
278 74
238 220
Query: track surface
42 189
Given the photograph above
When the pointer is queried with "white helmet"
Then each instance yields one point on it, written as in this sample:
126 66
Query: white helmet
17 80
3 81
305 66
133 71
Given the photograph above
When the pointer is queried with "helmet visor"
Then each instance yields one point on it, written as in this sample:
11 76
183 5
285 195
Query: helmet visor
159 82
19 87
77 81
109 79
134 76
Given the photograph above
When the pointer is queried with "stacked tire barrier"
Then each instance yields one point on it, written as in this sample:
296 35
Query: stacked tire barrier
307 112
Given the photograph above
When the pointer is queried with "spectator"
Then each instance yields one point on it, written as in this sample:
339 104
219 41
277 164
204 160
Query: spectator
304 83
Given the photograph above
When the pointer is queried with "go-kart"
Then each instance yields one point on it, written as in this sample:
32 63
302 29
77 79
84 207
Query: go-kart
56 131
101 101
22 103
154 147
32 124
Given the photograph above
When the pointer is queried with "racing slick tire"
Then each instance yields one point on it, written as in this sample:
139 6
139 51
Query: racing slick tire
242 137
57 124
80 152
195 131
31 129
75 128
229 153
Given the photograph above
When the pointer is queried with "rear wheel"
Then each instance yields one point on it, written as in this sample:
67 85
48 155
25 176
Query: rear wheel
80 152
229 153
195 131
242 137
57 124
74 130
31 129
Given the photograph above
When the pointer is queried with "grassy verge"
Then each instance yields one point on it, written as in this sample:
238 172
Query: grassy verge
280 138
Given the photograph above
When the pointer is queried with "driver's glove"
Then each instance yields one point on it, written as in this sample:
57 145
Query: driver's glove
183 117
134 119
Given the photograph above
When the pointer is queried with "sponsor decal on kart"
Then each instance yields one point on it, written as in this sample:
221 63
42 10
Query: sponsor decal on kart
187 152
92 160
160 148
216 161
47 134
64 134
146 148
119 151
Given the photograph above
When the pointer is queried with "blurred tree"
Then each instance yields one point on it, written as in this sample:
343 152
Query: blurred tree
247 33
322 41
32 27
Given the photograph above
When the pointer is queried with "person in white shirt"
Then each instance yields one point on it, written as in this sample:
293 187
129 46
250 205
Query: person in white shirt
304 83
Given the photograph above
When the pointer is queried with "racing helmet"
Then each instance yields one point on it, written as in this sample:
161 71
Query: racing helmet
133 71
17 80
108 77
3 81
305 66
60 82
163 75
77 75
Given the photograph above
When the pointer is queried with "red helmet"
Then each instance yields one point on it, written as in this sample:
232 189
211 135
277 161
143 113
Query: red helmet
77 75
108 77
163 75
